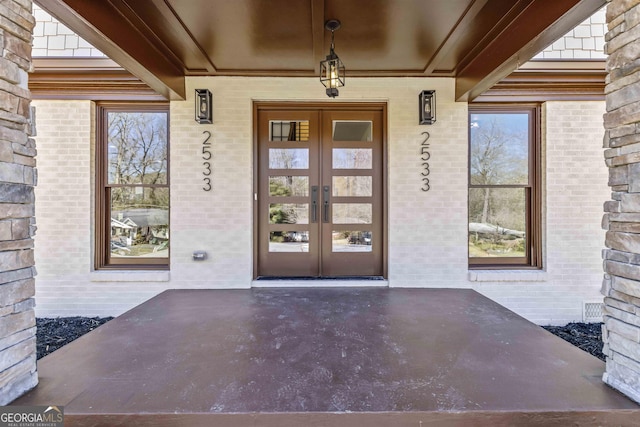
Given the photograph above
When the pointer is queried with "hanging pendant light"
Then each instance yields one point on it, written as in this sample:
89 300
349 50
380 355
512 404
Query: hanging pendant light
332 69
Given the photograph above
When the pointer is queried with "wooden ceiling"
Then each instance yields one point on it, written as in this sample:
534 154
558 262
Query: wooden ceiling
476 41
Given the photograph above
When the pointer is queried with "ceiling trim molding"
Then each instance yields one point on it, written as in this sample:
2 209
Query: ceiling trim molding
526 85
87 79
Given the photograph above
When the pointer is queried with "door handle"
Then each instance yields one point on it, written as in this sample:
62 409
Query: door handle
314 203
325 203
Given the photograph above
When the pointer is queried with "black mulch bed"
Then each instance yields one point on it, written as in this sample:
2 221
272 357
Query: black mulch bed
586 336
54 333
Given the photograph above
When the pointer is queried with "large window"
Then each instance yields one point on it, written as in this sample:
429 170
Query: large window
504 187
132 186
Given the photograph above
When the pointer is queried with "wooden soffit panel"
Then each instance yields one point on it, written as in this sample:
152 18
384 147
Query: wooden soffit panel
478 42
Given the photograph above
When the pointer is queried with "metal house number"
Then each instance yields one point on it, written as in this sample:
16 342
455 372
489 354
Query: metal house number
425 156
206 156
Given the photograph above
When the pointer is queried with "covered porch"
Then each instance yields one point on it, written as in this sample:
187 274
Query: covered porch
326 356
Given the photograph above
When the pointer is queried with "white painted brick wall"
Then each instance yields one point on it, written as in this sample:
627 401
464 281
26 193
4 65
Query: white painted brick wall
427 231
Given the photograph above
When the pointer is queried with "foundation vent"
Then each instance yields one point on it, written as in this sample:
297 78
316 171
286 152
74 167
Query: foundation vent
592 312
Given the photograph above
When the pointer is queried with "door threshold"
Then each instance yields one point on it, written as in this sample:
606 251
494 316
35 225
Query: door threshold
328 282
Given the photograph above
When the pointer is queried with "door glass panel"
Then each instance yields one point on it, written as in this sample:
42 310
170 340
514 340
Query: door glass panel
289 241
288 158
352 130
352 213
288 213
352 186
352 158
497 218
139 222
297 186
351 241
294 130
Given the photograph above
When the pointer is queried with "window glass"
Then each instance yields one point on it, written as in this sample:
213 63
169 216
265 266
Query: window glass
504 217
499 152
139 222
497 222
137 148
132 203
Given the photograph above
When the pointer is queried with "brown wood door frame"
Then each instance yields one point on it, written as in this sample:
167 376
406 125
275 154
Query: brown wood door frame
259 106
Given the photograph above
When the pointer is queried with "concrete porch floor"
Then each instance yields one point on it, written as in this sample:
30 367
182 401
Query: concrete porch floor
326 357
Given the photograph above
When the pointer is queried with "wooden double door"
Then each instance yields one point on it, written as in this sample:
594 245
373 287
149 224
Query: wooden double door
320 186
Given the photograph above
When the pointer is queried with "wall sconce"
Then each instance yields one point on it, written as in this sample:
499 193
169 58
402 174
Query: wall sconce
332 69
427 113
204 114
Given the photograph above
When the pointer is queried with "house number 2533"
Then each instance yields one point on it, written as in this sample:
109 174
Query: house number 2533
206 156
425 156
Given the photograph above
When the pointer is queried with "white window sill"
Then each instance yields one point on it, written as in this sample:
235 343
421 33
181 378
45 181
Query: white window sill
507 276
129 276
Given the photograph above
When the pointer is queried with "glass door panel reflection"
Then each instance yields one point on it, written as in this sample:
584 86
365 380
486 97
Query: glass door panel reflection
352 130
288 158
289 186
352 186
289 241
295 130
351 241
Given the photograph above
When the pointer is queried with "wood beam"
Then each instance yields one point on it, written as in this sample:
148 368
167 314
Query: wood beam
452 38
105 27
502 56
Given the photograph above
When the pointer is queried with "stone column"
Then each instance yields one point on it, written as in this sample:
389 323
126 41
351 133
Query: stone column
621 285
17 224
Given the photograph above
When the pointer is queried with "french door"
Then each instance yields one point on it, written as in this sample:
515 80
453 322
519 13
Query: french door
320 186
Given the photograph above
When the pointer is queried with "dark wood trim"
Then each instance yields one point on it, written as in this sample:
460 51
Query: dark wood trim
530 85
498 59
103 24
533 191
95 79
318 105
102 260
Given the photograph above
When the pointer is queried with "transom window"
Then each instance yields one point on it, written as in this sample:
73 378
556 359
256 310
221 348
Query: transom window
504 187
132 180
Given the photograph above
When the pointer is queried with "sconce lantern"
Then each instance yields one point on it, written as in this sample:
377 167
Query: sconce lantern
332 69
427 113
204 114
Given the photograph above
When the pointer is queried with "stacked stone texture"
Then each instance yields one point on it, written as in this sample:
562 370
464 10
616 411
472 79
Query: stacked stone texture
621 285
17 224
